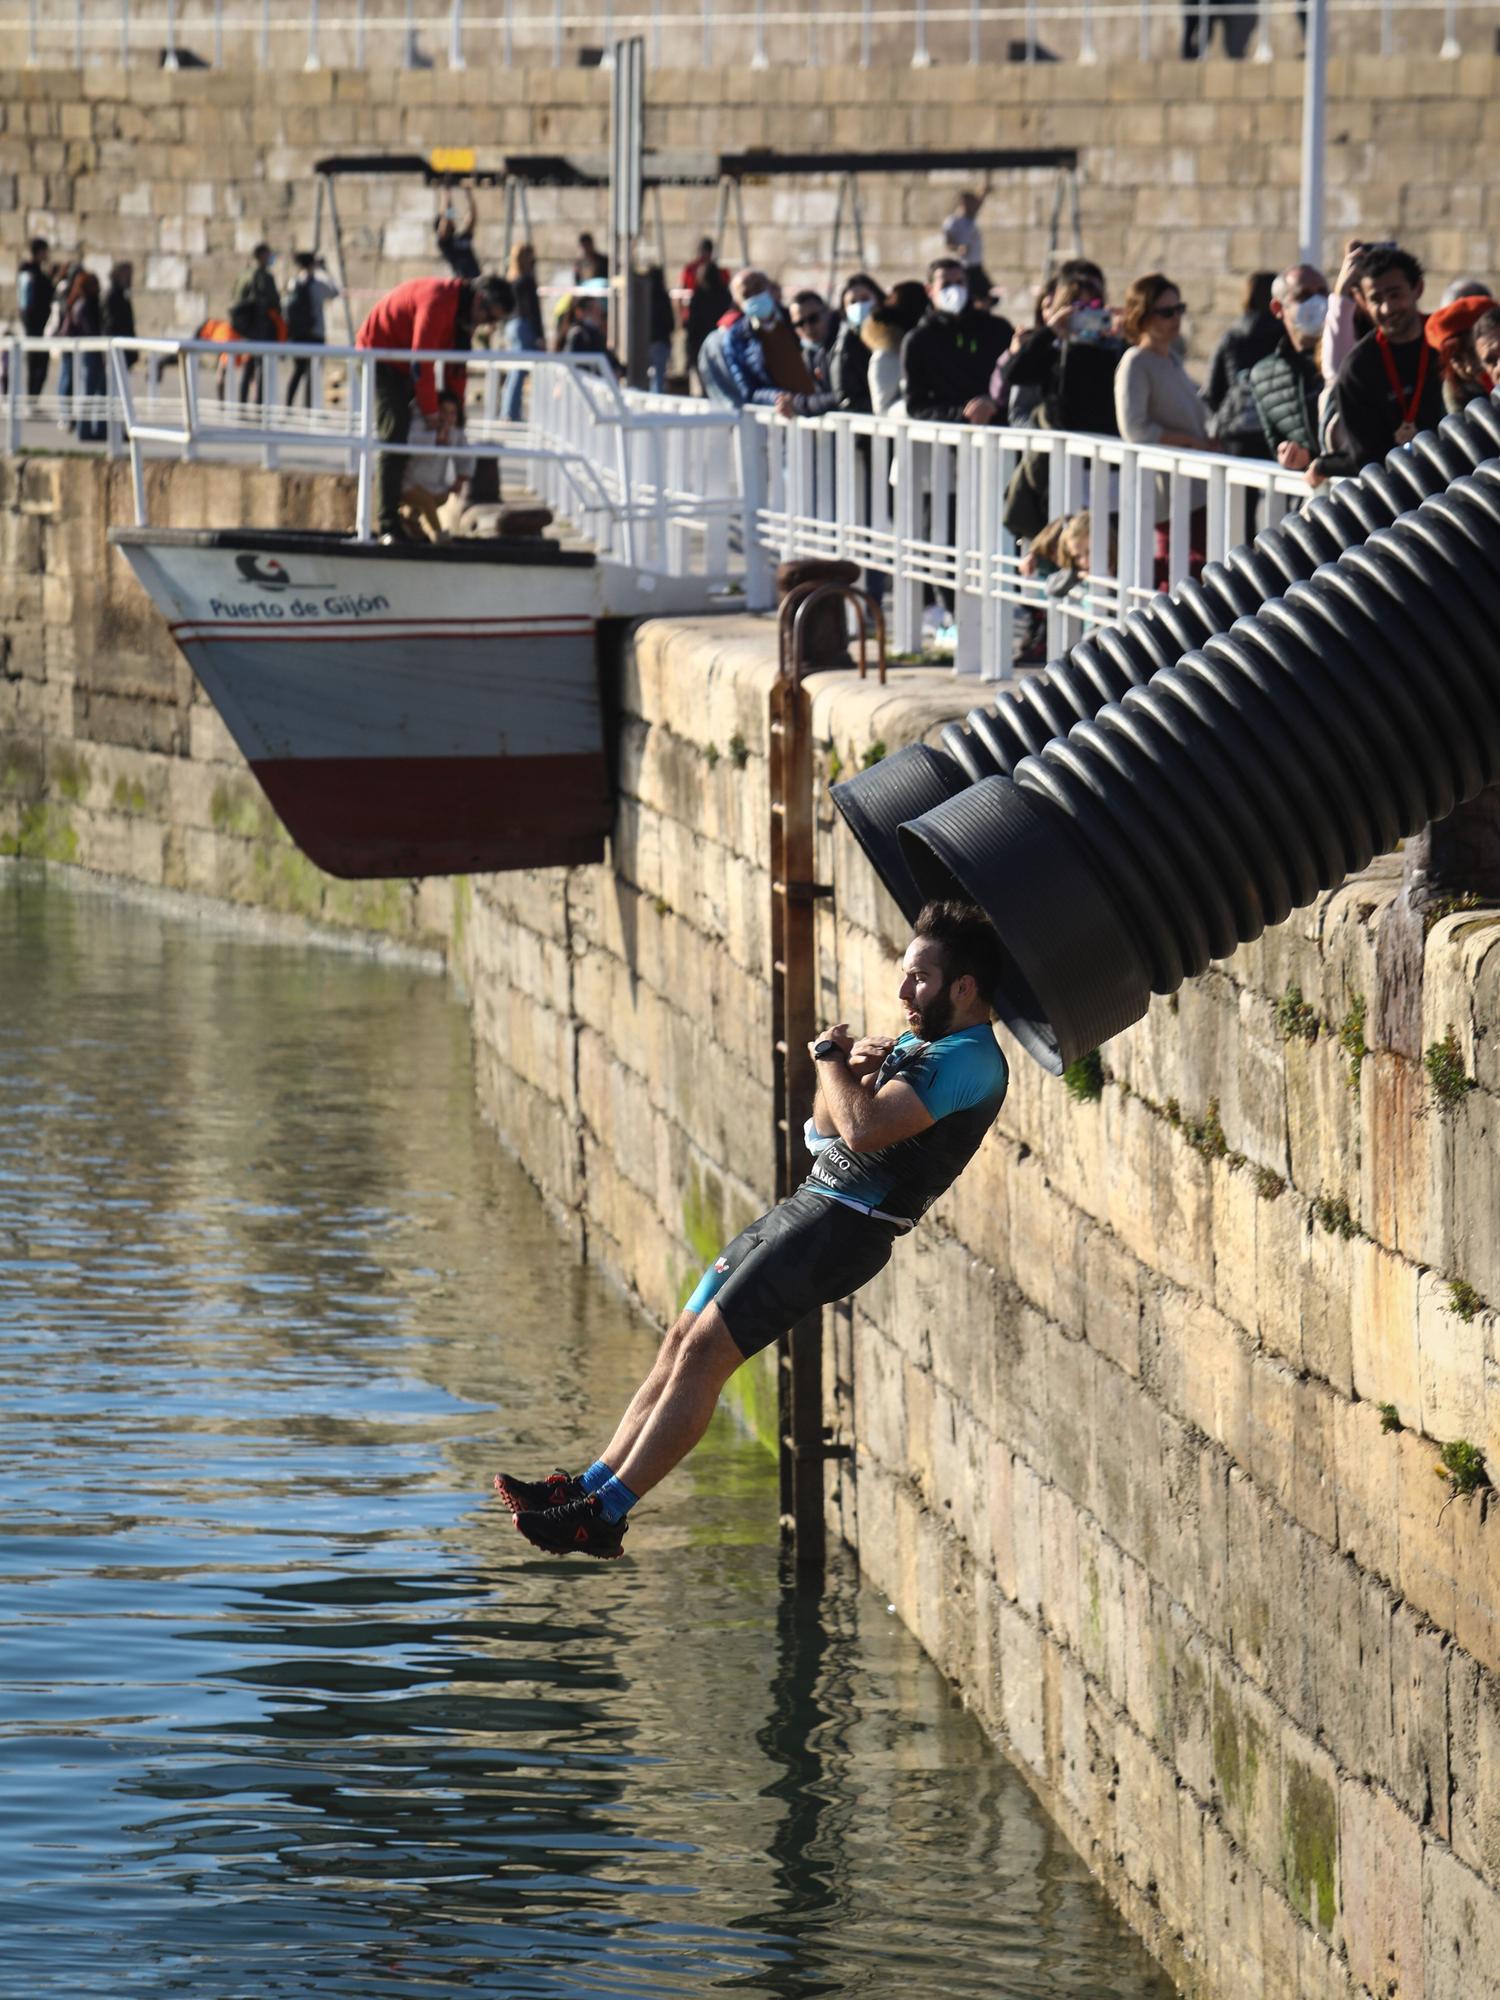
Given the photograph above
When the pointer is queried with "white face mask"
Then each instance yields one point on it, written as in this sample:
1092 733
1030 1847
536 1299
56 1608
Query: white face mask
858 311
760 307
1308 315
952 298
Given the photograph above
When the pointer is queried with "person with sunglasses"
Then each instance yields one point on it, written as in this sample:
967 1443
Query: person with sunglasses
1156 400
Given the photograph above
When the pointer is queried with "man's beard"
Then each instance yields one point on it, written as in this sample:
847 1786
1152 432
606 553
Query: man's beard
937 1016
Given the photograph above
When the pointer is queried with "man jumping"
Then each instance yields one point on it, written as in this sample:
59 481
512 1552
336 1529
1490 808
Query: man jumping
893 1126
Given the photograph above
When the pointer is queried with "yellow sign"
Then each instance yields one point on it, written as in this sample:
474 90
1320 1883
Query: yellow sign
453 159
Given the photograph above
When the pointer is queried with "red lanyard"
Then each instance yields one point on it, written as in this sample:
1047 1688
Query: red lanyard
1408 410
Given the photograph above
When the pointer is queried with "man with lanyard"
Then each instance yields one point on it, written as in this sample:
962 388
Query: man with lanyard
894 1124
1389 387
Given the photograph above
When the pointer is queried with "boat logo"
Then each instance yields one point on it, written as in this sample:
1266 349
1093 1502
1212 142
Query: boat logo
270 575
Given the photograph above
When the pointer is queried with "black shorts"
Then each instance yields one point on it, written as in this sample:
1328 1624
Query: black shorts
801 1254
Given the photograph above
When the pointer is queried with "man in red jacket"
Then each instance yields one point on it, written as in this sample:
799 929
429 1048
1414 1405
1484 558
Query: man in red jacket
423 313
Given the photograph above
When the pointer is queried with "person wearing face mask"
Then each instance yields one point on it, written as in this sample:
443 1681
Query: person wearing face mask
849 359
1288 382
950 355
756 358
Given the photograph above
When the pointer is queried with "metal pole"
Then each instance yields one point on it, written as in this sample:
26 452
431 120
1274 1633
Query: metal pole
1264 53
359 34
760 60
409 59
920 57
456 36
508 34
1143 53
1387 38
708 34
1314 123
78 34
218 34
1451 50
312 36
656 34
32 57
866 33
124 33
265 34
1087 53
169 60
557 33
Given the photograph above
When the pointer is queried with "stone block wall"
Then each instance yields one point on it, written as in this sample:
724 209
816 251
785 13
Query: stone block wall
1191 167
1146 1415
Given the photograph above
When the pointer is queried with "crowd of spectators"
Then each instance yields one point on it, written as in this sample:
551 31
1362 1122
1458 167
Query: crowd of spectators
1323 378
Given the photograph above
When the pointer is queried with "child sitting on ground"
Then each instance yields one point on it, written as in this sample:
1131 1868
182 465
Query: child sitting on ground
431 476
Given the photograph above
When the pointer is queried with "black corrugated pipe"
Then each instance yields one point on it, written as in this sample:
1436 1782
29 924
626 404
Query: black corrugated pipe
1235 786
1113 658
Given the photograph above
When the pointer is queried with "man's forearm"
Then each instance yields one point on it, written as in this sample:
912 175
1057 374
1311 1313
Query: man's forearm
841 1103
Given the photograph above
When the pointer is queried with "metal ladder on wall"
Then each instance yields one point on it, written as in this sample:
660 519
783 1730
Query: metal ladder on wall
805 1440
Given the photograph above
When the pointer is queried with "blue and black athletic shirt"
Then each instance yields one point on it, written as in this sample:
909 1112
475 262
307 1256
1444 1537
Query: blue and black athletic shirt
962 1081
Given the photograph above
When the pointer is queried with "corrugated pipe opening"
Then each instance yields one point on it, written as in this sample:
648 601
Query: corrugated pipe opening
1227 790
1111 660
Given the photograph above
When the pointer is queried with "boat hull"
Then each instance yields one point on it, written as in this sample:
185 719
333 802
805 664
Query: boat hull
405 715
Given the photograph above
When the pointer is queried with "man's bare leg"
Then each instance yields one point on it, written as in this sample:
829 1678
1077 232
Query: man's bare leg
703 1359
646 1398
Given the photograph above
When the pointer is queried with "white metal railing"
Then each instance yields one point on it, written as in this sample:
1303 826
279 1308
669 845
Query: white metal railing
922 507
653 488
678 488
694 33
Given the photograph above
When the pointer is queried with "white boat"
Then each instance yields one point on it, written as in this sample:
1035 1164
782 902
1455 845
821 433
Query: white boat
409 710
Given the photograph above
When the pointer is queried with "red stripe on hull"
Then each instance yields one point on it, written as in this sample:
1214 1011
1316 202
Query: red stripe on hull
373 817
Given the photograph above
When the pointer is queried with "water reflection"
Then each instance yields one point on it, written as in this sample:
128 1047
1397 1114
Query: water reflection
285 1708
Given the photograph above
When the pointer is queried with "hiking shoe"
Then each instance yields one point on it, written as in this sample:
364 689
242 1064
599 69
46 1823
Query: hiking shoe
533 1496
577 1526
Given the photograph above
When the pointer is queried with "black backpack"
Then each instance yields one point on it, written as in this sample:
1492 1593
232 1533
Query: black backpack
300 323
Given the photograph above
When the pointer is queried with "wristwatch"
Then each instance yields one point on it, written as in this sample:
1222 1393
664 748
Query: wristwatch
822 1051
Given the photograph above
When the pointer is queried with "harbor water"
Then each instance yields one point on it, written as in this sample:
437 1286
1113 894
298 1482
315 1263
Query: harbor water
287 1708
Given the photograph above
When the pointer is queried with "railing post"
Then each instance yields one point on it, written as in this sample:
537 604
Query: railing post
169 56
218 34
15 393
33 56
359 34
920 56
124 34
409 49
78 34
557 33
312 61
760 60
362 374
1452 49
708 34
760 584
456 36
866 32
1087 53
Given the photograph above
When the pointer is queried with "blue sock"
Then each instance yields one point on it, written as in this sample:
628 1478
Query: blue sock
615 1499
595 1477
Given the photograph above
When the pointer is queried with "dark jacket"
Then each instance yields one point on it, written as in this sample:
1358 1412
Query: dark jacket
1286 386
947 360
119 314
1076 377
36 290
1251 338
528 302
849 370
255 299
1367 408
